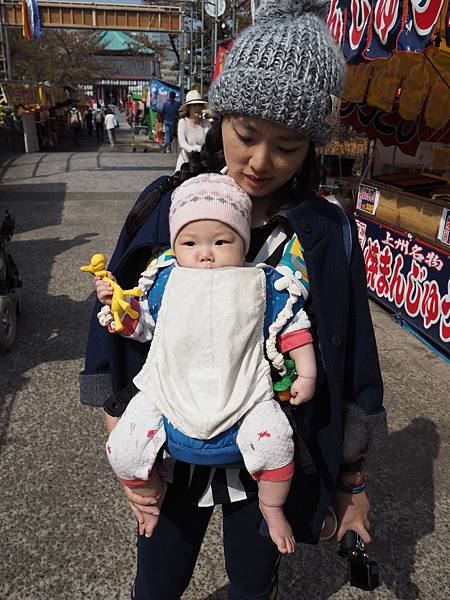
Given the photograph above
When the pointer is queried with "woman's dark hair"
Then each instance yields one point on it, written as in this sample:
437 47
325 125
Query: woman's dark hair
211 159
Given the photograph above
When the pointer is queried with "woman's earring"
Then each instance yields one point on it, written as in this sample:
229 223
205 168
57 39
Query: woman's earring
294 183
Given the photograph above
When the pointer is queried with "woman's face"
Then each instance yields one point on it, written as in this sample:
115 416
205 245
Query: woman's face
195 110
261 155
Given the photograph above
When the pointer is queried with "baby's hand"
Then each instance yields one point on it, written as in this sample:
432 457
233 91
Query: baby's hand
302 390
104 290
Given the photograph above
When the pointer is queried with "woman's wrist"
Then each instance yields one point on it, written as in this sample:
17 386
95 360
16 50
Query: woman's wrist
347 478
350 483
350 489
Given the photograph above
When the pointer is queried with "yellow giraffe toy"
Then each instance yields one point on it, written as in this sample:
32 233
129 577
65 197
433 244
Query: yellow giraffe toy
97 267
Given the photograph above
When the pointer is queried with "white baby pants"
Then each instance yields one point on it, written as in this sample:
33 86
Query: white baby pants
264 439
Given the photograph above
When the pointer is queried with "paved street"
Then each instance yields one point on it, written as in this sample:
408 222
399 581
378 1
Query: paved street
66 532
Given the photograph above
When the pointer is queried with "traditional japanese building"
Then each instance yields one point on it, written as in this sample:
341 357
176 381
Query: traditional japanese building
126 65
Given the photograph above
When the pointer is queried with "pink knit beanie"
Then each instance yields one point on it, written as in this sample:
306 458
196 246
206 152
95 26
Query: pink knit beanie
214 197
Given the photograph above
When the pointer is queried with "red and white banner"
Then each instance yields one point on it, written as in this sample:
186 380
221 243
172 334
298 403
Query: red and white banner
374 29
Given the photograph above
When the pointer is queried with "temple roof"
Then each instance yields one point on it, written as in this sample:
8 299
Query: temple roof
120 42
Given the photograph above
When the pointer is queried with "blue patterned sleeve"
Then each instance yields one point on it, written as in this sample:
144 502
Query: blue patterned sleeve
290 272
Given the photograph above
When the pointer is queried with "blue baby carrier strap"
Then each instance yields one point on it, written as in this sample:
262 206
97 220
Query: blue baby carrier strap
346 232
220 451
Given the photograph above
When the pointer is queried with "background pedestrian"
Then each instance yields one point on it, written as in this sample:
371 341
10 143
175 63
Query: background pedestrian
75 125
111 124
88 121
192 129
170 116
99 121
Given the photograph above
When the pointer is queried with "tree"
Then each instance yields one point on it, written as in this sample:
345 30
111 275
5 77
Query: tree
59 56
143 41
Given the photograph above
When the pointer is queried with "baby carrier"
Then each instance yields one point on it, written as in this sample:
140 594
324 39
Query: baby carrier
231 314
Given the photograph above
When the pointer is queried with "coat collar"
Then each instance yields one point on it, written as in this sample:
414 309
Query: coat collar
311 220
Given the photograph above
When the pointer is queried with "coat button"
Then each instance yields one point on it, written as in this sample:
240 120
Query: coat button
306 226
336 340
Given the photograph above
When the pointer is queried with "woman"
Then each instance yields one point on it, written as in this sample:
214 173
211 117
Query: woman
276 97
193 128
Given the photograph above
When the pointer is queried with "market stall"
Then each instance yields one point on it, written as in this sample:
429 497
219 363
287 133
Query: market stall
33 109
144 113
23 100
397 92
405 238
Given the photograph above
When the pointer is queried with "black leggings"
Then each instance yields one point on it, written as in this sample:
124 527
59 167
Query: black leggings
166 561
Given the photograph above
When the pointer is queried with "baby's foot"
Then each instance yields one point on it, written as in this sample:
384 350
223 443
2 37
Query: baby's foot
279 529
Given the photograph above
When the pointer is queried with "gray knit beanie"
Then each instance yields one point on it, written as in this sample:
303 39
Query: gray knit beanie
285 68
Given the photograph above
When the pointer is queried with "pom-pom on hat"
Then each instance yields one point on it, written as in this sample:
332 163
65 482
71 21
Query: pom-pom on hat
211 196
285 68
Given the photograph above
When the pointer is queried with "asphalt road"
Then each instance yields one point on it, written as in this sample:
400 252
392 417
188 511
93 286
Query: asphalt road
66 531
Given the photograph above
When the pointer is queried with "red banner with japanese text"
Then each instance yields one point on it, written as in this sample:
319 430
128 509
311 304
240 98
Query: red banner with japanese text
221 57
410 277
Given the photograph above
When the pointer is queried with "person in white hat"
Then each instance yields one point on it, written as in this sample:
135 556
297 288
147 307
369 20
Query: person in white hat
193 128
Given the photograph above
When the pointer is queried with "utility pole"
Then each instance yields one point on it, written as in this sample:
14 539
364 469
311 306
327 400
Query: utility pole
214 44
191 49
202 44
5 54
182 53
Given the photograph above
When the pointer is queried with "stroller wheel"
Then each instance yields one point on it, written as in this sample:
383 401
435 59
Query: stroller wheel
8 321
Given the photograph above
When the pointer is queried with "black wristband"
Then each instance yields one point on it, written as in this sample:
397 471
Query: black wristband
352 467
116 403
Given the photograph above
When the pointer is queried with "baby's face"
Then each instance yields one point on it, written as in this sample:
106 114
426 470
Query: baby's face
209 245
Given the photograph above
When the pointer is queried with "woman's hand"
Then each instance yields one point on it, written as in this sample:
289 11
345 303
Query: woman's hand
352 511
140 505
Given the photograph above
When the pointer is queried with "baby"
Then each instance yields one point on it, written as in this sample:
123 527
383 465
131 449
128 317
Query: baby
206 387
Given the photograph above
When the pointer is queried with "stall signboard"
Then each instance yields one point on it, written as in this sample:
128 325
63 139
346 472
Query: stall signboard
368 198
26 94
410 277
444 227
159 94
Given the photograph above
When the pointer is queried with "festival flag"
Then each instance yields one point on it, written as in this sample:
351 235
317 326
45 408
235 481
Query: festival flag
31 21
374 29
222 53
26 29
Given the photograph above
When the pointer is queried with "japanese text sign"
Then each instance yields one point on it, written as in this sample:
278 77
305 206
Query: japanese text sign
410 277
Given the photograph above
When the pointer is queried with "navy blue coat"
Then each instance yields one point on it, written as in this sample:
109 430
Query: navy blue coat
348 368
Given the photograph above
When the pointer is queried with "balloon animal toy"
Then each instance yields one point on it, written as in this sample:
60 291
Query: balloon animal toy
97 267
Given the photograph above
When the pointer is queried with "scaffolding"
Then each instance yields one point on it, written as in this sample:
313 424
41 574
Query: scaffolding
5 61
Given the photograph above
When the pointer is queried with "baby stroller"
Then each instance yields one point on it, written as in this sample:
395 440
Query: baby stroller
10 286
